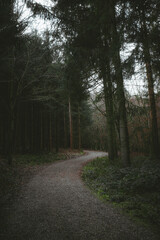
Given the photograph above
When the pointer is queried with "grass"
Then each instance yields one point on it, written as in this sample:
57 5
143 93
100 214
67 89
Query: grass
136 190
38 159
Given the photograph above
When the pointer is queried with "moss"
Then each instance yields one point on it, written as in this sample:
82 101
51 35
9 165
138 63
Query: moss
136 190
38 159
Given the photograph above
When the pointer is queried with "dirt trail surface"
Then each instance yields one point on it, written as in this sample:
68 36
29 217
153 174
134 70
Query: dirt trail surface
55 205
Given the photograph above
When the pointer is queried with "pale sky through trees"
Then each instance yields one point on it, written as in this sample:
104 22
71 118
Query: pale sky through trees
36 23
134 85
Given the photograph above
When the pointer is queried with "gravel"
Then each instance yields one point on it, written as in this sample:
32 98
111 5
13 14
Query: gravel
56 205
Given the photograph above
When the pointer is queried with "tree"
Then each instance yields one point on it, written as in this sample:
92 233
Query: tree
10 38
81 30
141 30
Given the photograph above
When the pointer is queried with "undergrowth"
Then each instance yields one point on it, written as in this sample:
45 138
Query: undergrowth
23 167
38 159
135 189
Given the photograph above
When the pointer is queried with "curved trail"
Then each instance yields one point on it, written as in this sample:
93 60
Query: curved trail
55 205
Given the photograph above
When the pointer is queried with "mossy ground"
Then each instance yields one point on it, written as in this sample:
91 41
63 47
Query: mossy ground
136 189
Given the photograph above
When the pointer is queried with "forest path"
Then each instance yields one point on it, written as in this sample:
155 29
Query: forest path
55 205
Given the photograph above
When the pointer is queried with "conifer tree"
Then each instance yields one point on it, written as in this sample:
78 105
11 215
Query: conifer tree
141 29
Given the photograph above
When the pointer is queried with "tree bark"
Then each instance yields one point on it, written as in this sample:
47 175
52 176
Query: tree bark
57 131
65 131
32 128
107 86
153 112
50 131
12 103
124 138
11 134
41 130
70 125
79 128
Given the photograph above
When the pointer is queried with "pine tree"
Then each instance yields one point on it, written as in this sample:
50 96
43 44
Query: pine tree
142 19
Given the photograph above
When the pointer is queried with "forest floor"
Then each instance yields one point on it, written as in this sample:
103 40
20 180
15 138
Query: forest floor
54 204
24 167
135 189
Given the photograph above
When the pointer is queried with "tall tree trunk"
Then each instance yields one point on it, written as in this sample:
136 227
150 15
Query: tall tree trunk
70 125
26 128
79 128
65 131
10 135
124 138
57 131
41 130
153 112
22 129
50 131
107 86
12 103
32 127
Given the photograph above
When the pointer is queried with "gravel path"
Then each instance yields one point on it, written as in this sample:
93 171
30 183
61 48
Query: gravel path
55 205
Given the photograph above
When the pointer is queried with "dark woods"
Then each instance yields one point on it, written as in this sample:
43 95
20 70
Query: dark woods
35 100
45 81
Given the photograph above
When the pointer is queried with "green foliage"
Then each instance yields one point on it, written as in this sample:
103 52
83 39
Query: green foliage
12 177
7 178
136 189
37 159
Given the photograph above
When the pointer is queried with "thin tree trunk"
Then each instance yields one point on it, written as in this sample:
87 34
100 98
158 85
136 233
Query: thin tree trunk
41 129
12 103
79 128
32 127
70 125
124 138
26 127
11 134
50 131
107 84
22 130
57 131
65 132
153 112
